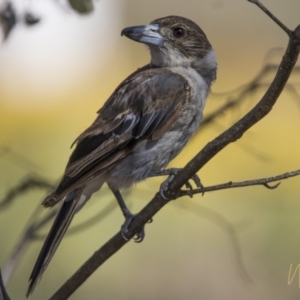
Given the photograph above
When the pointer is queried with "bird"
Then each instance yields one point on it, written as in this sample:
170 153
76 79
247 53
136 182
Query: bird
143 125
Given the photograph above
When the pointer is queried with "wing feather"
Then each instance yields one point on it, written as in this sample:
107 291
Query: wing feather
144 106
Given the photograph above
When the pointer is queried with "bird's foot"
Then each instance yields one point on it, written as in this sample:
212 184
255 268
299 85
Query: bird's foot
128 217
172 172
139 237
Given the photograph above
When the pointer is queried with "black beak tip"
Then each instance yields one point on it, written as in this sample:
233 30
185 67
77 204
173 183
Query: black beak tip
126 31
147 34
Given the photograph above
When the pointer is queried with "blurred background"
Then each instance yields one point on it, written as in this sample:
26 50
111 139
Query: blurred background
231 244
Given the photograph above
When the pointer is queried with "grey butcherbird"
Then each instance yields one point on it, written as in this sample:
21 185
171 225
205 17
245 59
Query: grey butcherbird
143 125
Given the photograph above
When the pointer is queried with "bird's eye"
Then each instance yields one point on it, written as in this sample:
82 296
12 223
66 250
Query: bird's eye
178 32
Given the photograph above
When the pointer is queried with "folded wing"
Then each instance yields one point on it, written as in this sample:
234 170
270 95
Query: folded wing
144 106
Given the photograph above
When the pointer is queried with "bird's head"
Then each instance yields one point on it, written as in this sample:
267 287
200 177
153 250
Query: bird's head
175 41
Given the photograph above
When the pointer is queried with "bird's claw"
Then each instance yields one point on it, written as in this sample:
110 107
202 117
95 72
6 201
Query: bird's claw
139 237
164 186
197 181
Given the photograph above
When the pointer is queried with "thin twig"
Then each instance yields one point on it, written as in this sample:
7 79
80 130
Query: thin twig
27 184
262 181
276 20
244 90
28 236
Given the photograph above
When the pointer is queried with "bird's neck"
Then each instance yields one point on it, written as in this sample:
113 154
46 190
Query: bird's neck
205 66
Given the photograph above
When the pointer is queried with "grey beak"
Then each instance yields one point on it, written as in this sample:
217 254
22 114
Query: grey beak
147 34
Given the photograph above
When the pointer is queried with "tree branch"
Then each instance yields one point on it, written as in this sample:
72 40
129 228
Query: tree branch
244 91
208 152
230 184
25 185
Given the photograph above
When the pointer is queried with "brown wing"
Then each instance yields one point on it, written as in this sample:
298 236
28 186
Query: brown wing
144 106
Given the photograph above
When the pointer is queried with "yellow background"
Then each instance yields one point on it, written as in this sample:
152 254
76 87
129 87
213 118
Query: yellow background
53 79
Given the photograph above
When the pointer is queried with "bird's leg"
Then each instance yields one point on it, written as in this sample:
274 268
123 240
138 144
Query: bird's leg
128 217
171 173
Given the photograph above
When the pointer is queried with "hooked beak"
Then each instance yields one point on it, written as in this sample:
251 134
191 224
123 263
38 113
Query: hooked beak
147 34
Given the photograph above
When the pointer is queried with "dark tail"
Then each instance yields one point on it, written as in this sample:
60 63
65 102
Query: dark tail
58 229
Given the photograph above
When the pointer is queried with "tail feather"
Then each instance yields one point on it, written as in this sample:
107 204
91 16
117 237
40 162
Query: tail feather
59 228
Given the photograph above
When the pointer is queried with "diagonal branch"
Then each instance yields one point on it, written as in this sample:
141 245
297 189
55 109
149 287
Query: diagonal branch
278 22
207 153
